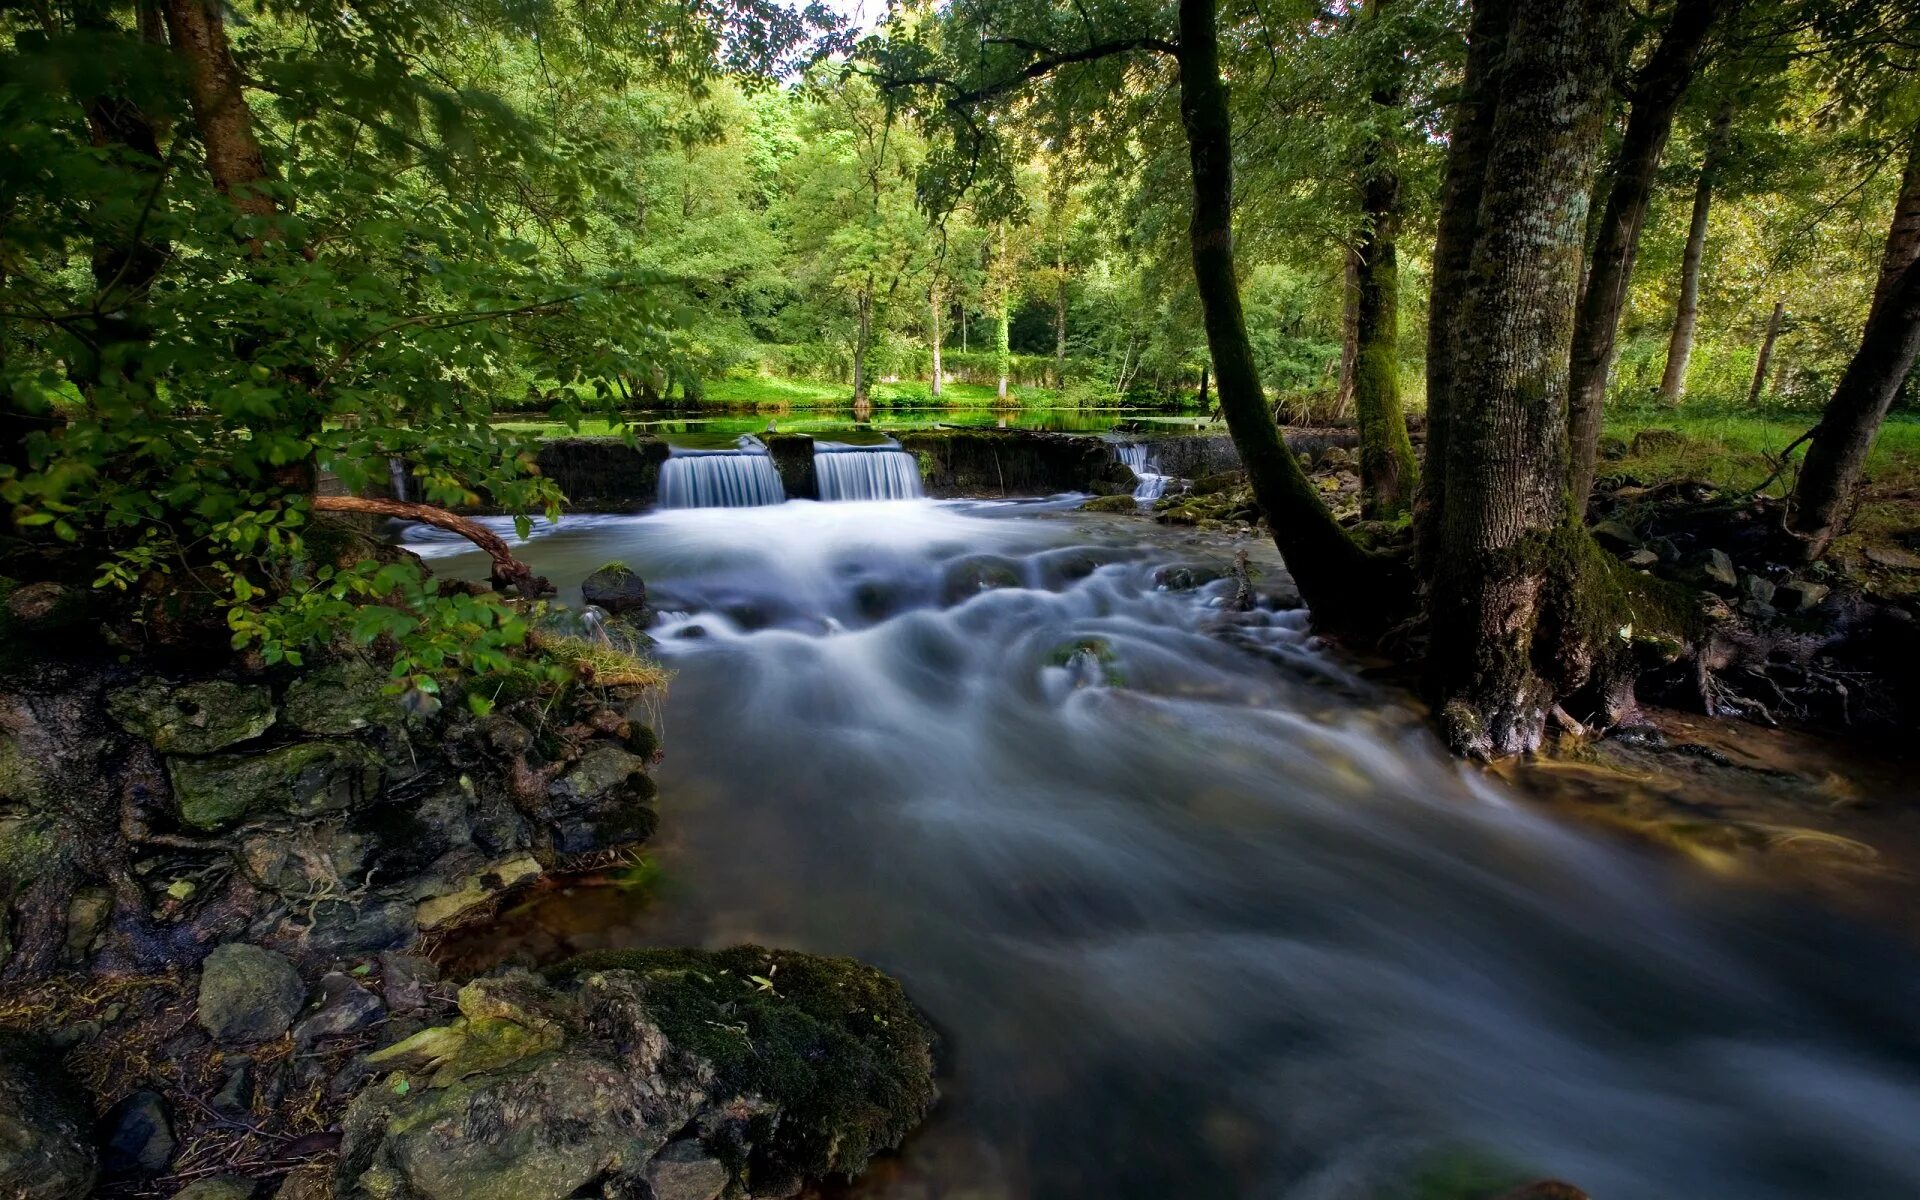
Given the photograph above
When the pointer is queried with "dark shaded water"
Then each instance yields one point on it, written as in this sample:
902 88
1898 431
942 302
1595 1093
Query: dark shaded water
1201 914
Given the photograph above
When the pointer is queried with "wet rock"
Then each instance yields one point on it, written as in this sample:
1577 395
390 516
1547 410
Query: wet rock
306 1183
1800 595
348 928
138 1136
685 1171
405 980
477 891
46 1152
339 698
1893 558
219 1187
87 915
808 1065
1119 503
1615 536
236 1087
615 588
981 573
1185 577
602 801
36 602
248 994
1718 569
1758 589
303 779
1642 559
1219 482
196 718
345 1008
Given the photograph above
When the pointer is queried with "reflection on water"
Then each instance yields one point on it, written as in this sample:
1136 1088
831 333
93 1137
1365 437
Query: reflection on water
1200 913
842 423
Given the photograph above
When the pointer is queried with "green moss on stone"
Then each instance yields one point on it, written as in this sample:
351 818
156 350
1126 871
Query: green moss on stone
833 1042
340 698
301 779
194 718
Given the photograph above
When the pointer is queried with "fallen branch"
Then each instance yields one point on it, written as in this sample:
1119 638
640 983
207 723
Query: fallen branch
508 571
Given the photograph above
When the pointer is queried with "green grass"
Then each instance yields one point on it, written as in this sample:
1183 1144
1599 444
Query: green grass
1737 450
760 391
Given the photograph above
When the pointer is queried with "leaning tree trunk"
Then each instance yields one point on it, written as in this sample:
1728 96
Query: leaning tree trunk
1468 145
1388 474
1686 316
1766 353
1658 89
1903 237
1342 584
1509 634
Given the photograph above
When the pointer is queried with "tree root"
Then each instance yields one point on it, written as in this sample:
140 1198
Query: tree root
508 571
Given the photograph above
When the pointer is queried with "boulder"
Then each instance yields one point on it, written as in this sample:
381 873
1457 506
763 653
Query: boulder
1121 503
46 1151
248 994
603 801
615 588
1642 559
339 698
138 1136
1893 558
195 718
476 891
1615 536
302 779
1718 569
1758 589
345 1008
784 1067
1800 595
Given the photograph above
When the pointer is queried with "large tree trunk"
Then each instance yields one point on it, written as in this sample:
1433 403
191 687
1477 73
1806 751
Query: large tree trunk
934 337
1388 474
1686 316
1508 634
1658 89
220 110
1838 453
1341 583
1349 331
1060 328
1469 142
1766 352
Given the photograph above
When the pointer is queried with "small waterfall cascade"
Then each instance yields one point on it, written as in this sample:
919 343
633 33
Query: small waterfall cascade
1152 483
397 477
884 472
742 478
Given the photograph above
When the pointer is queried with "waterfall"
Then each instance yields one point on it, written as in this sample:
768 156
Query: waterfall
743 478
397 476
865 472
1152 484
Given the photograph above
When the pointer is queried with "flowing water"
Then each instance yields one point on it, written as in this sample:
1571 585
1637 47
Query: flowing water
883 472
1198 912
742 478
1138 457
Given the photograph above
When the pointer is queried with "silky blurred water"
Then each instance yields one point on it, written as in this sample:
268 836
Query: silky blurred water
1199 912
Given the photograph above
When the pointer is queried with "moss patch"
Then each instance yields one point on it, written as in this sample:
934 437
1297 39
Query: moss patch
835 1043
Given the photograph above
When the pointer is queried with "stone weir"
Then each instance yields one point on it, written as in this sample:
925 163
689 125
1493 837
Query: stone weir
612 475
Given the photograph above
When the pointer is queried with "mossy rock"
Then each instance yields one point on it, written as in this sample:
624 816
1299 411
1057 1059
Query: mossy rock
833 1043
302 779
194 718
980 573
340 698
1112 504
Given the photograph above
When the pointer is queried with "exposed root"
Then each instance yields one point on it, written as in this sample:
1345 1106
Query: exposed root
508 571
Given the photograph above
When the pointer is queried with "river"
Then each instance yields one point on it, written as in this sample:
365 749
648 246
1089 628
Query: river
1198 911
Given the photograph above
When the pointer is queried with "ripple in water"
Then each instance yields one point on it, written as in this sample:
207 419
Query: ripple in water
1201 913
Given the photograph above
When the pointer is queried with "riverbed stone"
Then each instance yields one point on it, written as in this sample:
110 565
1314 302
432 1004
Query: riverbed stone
685 1171
46 1147
1642 559
303 779
1718 568
340 698
248 993
1616 536
1758 589
1800 595
219 1187
476 891
345 1008
138 1135
194 718
1119 503
602 801
617 589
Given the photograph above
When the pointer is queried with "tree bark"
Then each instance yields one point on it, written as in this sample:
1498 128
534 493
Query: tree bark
1903 237
508 571
220 112
1388 474
1766 353
1469 143
1060 327
1673 381
1342 584
1657 91
1503 600
862 339
934 338
1349 330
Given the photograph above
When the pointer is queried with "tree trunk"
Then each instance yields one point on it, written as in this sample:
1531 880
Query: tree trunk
1510 631
1673 381
507 570
1002 305
933 337
1388 474
1766 353
1657 91
1838 453
1203 389
1469 143
1060 329
862 338
1340 582
220 111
